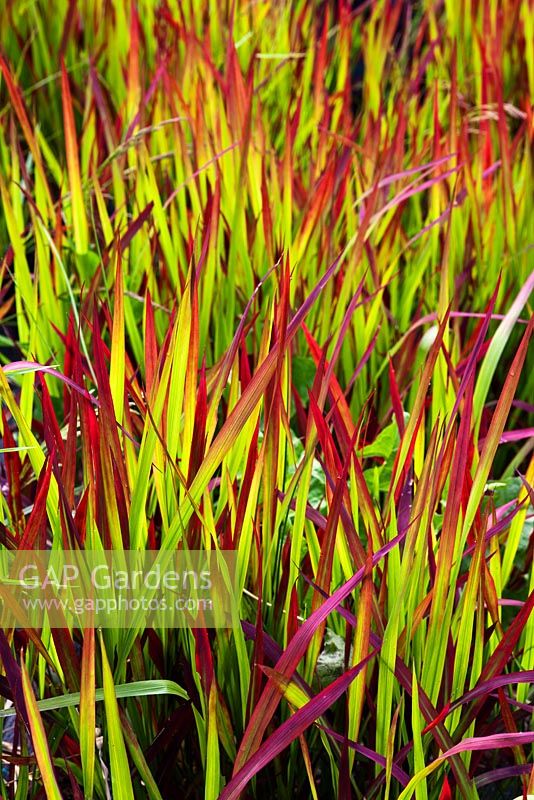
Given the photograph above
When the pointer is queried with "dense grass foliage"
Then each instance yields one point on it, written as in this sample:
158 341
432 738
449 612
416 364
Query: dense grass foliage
265 278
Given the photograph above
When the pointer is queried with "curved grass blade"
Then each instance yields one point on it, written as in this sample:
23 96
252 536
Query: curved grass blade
39 738
122 691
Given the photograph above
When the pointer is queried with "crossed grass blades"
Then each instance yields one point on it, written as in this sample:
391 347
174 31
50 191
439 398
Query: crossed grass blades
265 286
